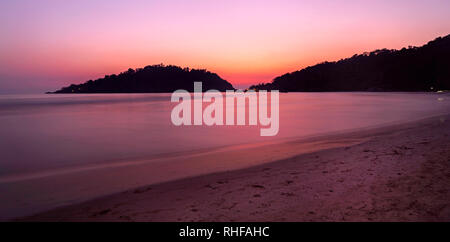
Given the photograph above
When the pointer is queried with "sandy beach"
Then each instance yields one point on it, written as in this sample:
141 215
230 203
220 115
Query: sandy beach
396 173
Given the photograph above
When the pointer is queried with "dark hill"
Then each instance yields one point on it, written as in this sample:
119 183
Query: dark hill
423 68
155 78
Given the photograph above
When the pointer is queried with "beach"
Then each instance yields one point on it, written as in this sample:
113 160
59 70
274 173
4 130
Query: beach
399 172
232 111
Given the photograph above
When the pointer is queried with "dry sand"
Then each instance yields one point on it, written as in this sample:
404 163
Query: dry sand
396 173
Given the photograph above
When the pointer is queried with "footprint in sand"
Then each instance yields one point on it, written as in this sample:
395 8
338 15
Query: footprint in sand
103 212
211 187
141 190
258 186
288 194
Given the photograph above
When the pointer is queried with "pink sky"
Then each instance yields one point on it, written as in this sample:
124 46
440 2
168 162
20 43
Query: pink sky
48 44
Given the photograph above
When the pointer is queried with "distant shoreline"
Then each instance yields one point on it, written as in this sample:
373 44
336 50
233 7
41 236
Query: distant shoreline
440 91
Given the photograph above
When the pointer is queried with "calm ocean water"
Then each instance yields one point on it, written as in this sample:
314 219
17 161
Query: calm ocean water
45 133
42 132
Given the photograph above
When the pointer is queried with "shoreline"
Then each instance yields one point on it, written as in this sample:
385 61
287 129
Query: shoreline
318 137
369 175
54 189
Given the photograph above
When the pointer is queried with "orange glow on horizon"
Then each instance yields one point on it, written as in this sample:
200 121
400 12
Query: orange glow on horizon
57 43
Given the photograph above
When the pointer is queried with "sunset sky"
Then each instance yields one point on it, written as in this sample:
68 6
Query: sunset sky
45 45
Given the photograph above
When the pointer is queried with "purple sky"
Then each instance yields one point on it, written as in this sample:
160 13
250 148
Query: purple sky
48 44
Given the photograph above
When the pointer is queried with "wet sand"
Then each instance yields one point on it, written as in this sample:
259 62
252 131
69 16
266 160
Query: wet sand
395 173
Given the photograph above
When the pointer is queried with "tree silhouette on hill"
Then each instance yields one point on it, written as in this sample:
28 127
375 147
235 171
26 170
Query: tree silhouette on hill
151 79
425 68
